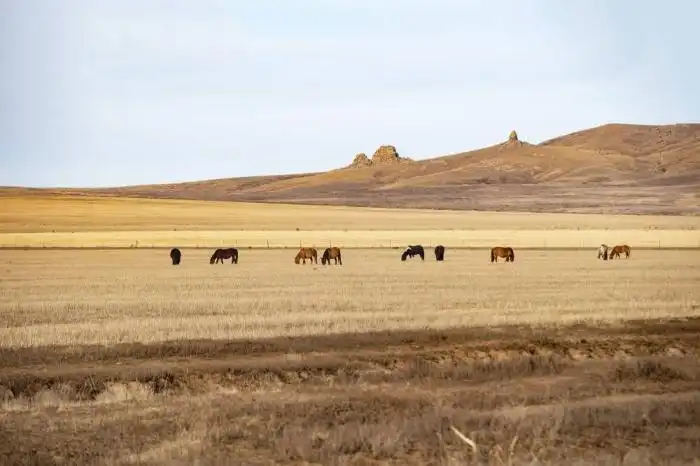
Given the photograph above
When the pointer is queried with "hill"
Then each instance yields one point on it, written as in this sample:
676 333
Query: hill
613 169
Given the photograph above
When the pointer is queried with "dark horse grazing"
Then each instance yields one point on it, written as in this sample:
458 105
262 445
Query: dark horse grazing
439 253
306 253
331 253
221 254
615 252
413 251
501 251
175 256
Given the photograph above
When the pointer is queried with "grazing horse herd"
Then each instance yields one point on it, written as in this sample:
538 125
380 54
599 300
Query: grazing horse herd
604 251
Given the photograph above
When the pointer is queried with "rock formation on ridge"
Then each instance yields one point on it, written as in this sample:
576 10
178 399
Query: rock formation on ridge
384 155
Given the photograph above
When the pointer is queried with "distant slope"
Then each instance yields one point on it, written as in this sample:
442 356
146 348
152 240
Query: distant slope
614 168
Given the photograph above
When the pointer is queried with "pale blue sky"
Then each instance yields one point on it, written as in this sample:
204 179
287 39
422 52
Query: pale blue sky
115 92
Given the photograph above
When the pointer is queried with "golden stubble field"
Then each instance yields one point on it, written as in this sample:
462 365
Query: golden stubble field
115 357
108 297
107 358
83 221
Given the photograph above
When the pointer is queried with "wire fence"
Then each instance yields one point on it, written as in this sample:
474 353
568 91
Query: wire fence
465 239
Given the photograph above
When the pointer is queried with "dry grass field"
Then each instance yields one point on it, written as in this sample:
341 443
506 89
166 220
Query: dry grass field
75 221
117 357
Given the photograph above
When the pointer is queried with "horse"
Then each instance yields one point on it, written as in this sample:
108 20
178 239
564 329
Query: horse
603 251
331 253
502 251
175 256
306 253
615 252
439 253
413 251
221 254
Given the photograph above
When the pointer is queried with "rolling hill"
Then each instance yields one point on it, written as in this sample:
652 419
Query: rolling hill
614 168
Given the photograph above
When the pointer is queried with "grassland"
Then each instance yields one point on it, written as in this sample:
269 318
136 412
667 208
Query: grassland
111 297
75 221
117 357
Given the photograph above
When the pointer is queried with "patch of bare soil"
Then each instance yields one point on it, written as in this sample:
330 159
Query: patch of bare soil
575 395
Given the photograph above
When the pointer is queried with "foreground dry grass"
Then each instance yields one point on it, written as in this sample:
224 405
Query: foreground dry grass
107 297
606 390
583 395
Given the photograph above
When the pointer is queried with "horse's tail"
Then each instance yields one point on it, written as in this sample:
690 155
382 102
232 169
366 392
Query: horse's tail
512 255
493 255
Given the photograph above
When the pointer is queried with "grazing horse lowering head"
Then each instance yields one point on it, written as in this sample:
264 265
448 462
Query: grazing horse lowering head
617 250
603 251
175 256
306 253
331 253
221 254
411 251
502 251
439 253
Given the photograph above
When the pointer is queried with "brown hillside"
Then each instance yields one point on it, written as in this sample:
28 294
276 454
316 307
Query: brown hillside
613 168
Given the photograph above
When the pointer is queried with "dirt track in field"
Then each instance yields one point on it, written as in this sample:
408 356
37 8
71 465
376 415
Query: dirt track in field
384 398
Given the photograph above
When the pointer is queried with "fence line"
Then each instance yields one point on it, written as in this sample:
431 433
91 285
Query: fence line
477 239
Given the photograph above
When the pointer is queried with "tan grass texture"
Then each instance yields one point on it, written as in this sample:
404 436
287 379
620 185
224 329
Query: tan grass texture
107 297
74 221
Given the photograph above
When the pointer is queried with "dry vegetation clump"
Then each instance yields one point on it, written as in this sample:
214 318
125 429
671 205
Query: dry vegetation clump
371 406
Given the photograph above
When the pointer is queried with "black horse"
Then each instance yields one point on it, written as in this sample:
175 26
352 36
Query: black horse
221 254
413 251
175 256
439 253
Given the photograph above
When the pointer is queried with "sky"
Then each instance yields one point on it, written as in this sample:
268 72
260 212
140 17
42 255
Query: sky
123 92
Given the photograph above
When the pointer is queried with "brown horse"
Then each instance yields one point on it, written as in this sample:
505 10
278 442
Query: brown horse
306 253
502 251
615 252
331 253
221 254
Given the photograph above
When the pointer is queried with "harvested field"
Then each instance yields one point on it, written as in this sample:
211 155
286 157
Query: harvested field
82 297
42 221
107 358
64 214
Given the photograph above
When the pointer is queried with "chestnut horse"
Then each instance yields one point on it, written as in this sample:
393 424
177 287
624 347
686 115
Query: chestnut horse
221 254
502 251
175 256
331 253
306 253
615 252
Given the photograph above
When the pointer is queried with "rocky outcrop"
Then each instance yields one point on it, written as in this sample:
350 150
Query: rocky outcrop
384 155
512 141
361 160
